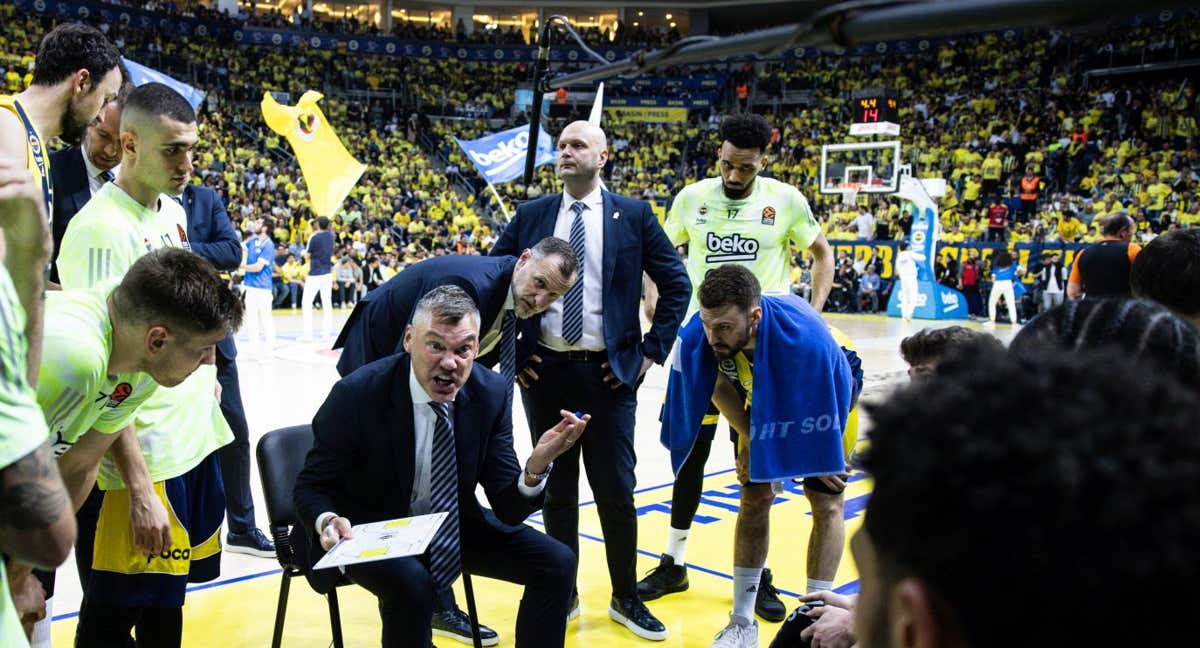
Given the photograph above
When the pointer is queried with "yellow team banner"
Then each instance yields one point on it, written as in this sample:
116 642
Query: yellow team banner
647 114
330 172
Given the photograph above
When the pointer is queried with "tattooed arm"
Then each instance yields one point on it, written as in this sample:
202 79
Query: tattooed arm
37 523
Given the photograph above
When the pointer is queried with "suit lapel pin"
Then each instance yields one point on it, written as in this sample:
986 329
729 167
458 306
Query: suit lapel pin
616 215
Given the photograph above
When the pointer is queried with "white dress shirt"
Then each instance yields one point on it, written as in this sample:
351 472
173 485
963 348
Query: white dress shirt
593 276
94 172
489 339
424 419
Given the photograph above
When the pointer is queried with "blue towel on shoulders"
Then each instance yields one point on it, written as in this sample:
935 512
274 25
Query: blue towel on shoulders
800 401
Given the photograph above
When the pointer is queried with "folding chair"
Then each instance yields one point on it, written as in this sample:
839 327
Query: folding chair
281 456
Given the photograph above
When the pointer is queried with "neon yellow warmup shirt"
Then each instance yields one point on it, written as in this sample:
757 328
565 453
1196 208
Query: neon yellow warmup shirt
177 427
22 428
74 389
754 231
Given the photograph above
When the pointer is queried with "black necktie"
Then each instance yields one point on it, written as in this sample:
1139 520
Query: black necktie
444 558
105 176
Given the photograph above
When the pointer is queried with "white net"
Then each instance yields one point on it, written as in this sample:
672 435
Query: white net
850 193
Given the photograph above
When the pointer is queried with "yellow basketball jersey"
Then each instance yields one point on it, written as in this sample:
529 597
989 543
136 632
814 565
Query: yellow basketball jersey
37 157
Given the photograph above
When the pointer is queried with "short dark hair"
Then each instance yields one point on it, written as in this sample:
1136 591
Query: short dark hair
160 100
70 47
1043 484
1167 270
932 345
178 288
747 131
552 245
1113 224
1134 327
1003 259
323 222
729 284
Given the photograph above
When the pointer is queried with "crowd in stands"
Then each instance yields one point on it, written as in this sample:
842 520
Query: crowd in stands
984 112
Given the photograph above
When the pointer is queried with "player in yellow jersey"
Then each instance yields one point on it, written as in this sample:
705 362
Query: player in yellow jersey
77 71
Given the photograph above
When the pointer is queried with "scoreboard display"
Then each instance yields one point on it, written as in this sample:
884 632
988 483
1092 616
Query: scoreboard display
874 111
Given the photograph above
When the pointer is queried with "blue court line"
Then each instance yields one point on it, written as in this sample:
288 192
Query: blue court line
197 588
849 587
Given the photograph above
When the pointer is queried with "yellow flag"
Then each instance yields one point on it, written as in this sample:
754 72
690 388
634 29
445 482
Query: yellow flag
329 170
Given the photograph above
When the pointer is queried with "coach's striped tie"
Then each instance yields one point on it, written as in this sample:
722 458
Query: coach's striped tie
573 302
508 352
444 557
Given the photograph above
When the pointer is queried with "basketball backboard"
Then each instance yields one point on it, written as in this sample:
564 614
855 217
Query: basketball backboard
863 167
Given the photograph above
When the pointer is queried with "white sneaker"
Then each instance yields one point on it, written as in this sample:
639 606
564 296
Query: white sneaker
736 635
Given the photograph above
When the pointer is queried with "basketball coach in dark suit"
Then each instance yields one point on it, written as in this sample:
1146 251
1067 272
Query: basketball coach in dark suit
77 172
588 352
211 235
503 288
414 433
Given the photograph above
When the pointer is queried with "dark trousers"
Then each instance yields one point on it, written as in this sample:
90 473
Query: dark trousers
235 457
407 596
607 450
974 299
279 294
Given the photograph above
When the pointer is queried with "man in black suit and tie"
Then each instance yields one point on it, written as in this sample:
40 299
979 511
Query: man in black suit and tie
211 235
503 289
587 352
424 429
500 286
77 172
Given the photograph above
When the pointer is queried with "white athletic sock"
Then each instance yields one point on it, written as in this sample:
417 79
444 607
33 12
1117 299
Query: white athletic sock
815 585
677 544
745 591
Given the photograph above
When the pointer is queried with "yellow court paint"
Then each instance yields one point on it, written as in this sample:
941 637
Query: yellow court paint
241 614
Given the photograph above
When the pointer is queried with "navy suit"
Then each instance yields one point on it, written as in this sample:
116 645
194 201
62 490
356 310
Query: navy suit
69 176
376 327
362 466
211 235
633 242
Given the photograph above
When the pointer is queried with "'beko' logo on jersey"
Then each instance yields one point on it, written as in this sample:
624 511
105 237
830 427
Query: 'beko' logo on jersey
730 248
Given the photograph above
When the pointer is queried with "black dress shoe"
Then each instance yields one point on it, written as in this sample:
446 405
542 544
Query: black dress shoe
633 614
455 624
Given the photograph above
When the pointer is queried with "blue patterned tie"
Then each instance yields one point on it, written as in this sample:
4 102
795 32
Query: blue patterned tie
106 176
573 302
508 352
444 559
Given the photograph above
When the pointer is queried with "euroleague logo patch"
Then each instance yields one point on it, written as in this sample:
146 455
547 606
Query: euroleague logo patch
119 394
768 215
306 128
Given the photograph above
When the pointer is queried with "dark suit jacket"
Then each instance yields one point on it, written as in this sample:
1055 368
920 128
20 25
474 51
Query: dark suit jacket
361 465
68 175
376 327
633 242
211 235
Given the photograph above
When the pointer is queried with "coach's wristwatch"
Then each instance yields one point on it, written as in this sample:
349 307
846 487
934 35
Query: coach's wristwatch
538 477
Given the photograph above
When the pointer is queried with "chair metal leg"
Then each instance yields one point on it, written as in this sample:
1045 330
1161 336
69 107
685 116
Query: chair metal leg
471 614
281 609
335 618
